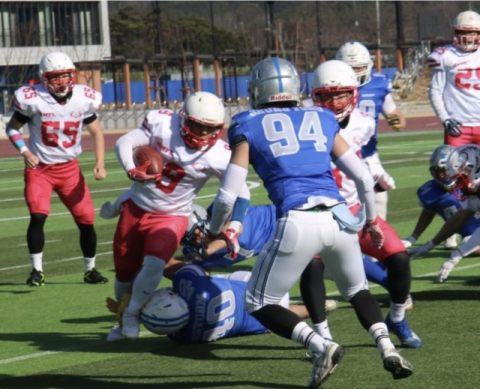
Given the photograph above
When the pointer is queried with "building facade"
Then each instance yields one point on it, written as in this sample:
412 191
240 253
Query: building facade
31 29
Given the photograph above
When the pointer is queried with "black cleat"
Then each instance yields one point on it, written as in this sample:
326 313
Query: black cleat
94 277
36 278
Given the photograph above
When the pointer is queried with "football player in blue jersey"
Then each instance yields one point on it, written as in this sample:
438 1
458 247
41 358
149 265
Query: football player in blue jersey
291 148
441 196
215 306
374 98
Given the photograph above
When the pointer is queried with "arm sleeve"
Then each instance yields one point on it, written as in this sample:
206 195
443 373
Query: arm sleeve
357 170
16 138
471 244
233 184
388 105
435 94
125 145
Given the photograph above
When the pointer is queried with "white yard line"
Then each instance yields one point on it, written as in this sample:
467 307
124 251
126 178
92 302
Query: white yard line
250 184
144 333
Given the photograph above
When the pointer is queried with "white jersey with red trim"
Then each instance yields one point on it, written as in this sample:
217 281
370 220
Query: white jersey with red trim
455 87
357 133
185 170
56 129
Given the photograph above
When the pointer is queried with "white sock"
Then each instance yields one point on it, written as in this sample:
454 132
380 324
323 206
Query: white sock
120 288
37 261
307 337
323 330
397 312
379 333
89 263
146 282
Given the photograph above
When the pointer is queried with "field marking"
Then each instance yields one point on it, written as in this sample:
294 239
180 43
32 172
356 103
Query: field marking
145 333
250 184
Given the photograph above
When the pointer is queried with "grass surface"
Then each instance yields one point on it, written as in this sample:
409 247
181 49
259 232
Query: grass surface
54 336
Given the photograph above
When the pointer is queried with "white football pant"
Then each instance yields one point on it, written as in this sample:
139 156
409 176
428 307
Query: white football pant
299 236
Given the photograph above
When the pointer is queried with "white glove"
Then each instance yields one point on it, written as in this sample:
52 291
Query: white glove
385 181
407 242
448 266
109 210
422 250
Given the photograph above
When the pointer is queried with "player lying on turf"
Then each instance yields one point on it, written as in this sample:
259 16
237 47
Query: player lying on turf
215 306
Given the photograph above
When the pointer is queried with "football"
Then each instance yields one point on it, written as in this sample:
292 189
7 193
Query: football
143 154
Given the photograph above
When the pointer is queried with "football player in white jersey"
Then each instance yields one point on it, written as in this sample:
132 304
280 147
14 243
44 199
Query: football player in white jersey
56 112
375 98
334 87
454 89
154 219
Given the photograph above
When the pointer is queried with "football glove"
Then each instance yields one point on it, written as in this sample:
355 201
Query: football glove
394 121
140 174
422 250
375 231
384 182
452 127
118 307
231 238
407 242
109 211
448 266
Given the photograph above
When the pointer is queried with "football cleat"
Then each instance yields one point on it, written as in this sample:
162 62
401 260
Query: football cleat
130 325
396 364
325 364
115 333
403 331
451 243
409 303
330 305
36 278
93 276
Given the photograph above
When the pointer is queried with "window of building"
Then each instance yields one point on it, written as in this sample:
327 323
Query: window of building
49 24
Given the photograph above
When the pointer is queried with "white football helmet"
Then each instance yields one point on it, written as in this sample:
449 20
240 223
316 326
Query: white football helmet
273 80
358 57
438 164
463 166
165 312
204 108
196 220
54 64
331 77
466 31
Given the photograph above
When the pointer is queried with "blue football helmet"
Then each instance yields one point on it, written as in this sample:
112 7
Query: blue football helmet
438 166
196 232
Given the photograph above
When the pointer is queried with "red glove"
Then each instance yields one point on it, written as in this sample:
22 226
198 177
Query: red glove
140 174
375 231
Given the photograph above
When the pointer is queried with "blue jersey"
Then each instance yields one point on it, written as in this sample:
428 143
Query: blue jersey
290 151
258 229
217 307
370 99
445 204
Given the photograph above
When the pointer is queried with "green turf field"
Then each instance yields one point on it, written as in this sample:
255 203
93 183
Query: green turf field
54 336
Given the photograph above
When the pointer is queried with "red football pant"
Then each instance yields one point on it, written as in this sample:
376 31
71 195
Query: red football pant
470 135
392 244
67 181
141 233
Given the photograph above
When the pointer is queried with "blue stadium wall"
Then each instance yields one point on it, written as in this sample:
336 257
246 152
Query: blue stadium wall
174 88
